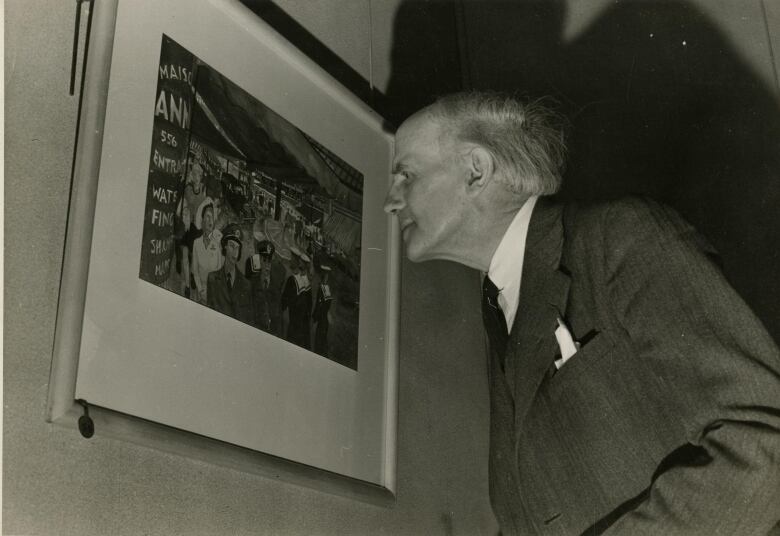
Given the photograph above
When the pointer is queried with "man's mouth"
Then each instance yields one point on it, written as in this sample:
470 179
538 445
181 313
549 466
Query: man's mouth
405 225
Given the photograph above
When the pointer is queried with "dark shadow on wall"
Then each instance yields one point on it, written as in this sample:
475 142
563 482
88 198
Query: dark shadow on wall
313 48
660 104
425 43
425 56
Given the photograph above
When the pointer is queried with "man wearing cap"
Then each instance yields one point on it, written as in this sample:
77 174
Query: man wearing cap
320 315
632 391
297 301
228 291
266 276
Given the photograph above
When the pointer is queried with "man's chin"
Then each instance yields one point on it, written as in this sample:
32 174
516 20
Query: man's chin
417 254
411 253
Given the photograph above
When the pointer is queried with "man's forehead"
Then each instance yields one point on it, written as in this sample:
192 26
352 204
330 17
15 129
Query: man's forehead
421 124
420 134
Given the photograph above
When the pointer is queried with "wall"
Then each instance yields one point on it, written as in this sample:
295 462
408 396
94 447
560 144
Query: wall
55 482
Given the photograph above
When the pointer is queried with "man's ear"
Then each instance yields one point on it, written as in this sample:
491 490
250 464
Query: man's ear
480 167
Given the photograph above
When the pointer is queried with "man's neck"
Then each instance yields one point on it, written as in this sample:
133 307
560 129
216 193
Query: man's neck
489 231
494 233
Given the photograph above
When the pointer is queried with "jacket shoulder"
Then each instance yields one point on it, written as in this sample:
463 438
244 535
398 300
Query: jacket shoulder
594 214
610 226
630 216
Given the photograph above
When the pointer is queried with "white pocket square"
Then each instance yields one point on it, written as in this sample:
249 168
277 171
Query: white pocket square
566 343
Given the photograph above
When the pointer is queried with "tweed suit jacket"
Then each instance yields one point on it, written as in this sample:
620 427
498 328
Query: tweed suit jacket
667 420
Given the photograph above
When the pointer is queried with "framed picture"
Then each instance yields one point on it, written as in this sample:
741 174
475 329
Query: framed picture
230 284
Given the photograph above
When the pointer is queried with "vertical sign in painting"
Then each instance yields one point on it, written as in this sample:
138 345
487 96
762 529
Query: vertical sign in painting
170 140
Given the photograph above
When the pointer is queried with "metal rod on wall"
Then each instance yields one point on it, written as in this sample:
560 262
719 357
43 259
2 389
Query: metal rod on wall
371 56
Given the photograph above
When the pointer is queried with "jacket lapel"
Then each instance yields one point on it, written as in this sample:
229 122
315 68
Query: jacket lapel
224 287
544 292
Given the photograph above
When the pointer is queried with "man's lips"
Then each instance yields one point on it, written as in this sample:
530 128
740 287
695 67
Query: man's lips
405 224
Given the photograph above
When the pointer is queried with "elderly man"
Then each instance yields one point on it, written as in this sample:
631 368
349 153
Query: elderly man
632 390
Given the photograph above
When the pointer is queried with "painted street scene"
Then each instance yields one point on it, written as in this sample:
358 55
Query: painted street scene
248 215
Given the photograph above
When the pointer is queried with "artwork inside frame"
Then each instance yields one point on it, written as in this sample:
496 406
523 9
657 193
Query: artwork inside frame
248 215
287 172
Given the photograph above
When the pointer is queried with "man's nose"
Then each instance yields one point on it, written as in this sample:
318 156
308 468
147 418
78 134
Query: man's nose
394 200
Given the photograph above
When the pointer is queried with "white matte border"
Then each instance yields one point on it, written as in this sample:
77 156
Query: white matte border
281 400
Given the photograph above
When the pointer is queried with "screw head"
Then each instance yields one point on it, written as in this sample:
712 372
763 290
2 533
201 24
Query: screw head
86 426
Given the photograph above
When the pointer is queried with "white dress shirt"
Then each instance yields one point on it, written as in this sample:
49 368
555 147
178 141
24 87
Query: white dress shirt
506 266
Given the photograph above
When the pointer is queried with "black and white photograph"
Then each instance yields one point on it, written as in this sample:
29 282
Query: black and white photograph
391 267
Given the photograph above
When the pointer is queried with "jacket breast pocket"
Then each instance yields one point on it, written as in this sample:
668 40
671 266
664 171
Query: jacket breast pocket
589 356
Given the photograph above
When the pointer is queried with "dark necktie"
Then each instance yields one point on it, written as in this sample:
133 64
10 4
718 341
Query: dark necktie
230 279
494 320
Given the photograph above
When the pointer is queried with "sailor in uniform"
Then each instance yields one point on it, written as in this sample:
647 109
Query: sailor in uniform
266 276
297 301
321 314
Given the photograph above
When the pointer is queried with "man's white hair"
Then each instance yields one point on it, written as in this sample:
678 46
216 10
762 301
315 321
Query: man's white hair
525 138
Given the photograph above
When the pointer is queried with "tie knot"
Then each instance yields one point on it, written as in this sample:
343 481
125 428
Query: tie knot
489 289
493 318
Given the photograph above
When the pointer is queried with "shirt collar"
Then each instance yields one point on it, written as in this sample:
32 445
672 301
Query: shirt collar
506 266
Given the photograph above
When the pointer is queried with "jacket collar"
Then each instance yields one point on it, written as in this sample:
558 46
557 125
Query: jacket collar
544 293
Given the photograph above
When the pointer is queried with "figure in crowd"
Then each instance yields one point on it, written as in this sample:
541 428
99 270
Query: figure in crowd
321 313
194 195
310 249
266 276
228 291
232 193
223 213
297 301
632 391
206 253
